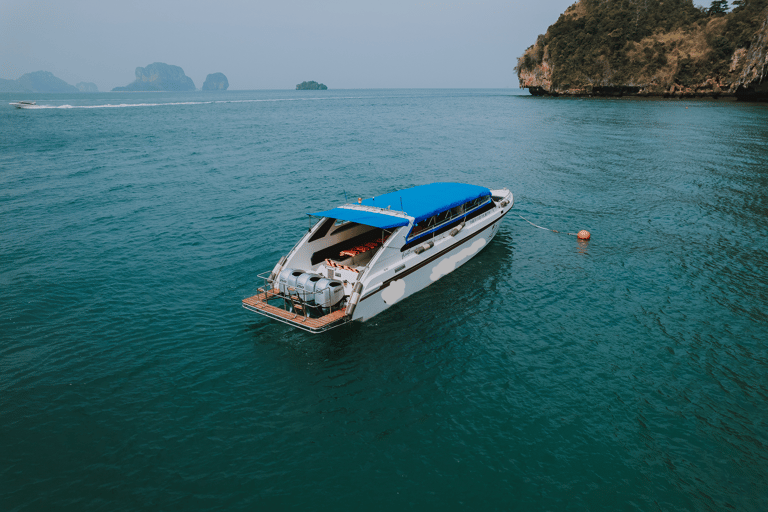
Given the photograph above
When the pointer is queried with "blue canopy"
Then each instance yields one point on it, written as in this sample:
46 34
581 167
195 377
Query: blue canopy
419 202
424 201
377 220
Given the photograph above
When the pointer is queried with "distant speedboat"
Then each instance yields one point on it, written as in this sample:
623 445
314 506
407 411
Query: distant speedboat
362 258
24 104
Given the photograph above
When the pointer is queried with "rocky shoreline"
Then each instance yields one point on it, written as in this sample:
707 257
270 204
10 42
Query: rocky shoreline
619 91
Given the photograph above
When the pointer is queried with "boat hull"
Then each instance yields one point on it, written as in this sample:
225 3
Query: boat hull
433 264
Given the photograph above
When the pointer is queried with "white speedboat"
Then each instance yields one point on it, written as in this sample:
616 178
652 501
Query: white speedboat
23 104
360 259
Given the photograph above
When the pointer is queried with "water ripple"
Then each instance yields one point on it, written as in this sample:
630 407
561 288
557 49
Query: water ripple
545 373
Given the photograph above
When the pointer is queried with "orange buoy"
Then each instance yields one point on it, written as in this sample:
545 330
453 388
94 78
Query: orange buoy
583 235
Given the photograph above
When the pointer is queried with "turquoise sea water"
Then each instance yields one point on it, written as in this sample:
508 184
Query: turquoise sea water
629 372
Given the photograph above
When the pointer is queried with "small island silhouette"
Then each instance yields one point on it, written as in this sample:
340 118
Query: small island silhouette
159 76
216 82
311 86
37 81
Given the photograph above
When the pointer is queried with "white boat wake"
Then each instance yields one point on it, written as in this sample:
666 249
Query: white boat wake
126 105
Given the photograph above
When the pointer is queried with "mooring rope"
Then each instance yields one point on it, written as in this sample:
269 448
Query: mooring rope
582 235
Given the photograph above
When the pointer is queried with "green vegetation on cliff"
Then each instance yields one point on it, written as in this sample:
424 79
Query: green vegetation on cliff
648 44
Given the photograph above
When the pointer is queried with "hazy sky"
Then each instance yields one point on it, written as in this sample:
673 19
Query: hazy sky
275 45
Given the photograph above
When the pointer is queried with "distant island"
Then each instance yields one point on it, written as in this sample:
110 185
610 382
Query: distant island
216 82
159 76
311 86
11 86
651 48
38 81
87 87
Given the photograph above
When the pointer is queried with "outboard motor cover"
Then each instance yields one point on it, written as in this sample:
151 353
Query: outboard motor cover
287 279
328 293
305 286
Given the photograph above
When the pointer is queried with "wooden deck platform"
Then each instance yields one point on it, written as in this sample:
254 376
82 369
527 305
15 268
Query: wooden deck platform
258 303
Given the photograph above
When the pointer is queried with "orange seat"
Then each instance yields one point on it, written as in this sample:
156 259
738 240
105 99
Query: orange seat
354 251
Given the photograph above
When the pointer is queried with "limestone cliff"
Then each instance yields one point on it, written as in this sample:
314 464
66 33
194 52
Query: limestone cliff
159 77
651 48
752 63
42 81
87 87
38 81
216 82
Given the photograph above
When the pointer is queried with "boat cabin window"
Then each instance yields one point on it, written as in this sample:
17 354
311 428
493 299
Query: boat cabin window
423 226
445 216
